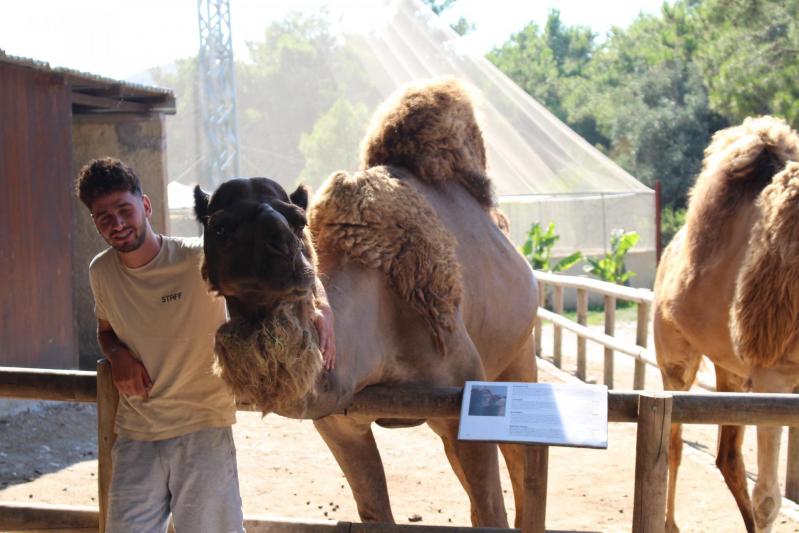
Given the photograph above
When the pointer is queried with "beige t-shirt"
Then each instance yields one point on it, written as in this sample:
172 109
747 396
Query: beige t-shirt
163 312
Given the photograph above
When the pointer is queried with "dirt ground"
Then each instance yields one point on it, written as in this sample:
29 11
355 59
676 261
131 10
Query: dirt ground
47 455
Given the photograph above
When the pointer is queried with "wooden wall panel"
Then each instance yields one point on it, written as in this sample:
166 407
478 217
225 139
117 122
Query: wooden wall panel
36 322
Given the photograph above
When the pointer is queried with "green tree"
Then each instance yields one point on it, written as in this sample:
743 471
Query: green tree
333 142
530 63
747 54
297 72
659 125
550 64
648 99
571 47
184 161
289 82
461 26
439 6
671 220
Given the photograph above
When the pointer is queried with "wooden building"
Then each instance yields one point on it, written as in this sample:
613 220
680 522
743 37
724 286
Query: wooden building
52 121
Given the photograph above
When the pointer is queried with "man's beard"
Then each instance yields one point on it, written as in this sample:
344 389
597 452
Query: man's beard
139 236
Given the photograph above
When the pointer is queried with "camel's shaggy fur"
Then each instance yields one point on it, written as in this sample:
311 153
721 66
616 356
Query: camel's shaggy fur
739 162
430 129
375 219
273 364
766 308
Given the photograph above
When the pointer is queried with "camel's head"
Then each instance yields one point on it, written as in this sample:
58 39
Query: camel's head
256 248
258 255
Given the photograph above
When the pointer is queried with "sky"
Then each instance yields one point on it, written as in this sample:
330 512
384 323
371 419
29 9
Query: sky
122 38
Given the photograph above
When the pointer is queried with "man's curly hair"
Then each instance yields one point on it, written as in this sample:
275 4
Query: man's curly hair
103 176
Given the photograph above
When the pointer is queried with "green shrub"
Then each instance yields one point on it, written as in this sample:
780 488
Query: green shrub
537 249
611 267
671 220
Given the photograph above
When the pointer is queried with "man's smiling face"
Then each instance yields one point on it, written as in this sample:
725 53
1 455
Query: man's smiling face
121 217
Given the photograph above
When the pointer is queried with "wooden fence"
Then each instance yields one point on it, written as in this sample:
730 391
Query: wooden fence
611 293
653 413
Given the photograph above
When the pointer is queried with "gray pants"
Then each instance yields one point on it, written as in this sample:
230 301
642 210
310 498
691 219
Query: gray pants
193 477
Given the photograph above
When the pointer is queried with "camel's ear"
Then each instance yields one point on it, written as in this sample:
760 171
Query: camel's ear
201 199
300 197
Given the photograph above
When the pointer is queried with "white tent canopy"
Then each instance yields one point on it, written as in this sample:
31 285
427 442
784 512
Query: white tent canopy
541 169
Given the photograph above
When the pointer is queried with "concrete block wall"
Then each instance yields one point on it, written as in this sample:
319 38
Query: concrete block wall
139 141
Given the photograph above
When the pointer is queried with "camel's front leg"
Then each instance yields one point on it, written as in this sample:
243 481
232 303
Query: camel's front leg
766 498
477 468
679 363
675 458
729 459
353 446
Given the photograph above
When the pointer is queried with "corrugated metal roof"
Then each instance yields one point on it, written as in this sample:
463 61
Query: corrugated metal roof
97 94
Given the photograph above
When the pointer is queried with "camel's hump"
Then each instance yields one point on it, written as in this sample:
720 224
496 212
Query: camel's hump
381 222
758 147
430 129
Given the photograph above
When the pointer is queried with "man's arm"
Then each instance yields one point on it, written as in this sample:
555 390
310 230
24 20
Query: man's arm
325 326
128 373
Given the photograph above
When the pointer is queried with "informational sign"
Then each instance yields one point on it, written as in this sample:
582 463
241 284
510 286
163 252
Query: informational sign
535 413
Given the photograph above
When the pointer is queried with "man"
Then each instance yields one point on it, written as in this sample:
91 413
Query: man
156 322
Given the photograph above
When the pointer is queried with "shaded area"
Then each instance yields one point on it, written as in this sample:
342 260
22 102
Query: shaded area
46 439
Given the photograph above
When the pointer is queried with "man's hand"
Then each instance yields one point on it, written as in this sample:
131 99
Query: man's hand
324 323
129 374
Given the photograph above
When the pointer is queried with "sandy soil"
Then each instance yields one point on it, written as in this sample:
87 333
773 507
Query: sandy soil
48 455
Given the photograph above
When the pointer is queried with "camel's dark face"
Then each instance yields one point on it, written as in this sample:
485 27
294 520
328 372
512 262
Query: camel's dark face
253 240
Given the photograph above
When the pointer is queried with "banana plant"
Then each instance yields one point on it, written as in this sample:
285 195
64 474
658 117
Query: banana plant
537 249
611 267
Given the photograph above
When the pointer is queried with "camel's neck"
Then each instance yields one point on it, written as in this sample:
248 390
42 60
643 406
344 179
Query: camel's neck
361 305
719 222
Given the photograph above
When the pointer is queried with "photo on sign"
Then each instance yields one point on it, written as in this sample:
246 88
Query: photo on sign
488 400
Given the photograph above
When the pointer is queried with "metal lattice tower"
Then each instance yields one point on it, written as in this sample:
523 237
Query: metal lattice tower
217 91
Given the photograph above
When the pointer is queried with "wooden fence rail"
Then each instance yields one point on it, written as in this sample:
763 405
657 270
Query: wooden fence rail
611 293
425 402
54 385
653 413
44 518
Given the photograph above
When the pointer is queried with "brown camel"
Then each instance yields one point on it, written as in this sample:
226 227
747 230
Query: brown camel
425 288
728 287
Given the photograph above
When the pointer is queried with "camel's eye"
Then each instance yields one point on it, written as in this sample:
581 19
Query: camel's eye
217 225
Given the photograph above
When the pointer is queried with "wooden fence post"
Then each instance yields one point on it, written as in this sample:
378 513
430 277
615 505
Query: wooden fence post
539 323
610 329
792 468
651 463
582 319
641 337
107 398
536 462
557 336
